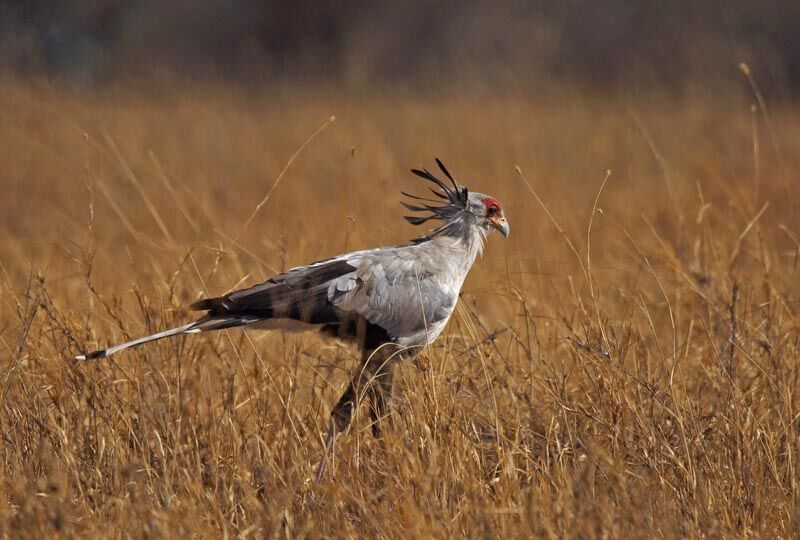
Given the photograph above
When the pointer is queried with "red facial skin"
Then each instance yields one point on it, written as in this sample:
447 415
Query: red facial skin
493 207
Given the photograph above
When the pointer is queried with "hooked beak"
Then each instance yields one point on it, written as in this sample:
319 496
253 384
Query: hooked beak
501 225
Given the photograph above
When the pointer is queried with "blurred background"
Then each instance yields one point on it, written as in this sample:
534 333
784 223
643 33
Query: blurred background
412 44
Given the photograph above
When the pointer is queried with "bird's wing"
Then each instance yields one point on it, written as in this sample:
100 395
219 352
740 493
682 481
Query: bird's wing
396 289
301 294
390 287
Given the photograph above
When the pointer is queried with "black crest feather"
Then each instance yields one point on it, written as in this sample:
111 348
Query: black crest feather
453 199
455 195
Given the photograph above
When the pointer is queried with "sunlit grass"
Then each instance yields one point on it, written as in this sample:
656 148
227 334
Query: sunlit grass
625 364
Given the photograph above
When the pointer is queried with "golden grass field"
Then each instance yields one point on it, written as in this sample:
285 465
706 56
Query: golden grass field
624 365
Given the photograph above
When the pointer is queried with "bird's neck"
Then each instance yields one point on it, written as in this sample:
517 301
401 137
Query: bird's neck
461 247
473 243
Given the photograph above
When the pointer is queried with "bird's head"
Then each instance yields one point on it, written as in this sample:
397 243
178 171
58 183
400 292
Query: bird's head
460 209
488 211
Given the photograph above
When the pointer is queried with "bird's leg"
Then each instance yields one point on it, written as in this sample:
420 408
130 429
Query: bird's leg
374 376
341 415
380 393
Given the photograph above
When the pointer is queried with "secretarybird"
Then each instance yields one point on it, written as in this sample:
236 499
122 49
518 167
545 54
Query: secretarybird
391 301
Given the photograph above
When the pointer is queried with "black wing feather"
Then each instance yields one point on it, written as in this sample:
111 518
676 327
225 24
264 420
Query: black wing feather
300 294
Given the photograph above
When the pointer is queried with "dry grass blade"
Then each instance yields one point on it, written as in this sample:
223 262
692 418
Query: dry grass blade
641 385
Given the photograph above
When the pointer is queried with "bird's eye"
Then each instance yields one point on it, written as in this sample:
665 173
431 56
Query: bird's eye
492 207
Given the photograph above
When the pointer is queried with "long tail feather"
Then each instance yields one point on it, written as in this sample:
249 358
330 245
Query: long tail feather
103 353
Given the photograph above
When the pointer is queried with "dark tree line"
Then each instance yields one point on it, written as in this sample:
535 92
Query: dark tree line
411 42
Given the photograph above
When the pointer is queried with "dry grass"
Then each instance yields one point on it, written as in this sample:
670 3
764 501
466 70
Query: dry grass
624 365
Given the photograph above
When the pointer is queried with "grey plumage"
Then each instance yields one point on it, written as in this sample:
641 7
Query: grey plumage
392 301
